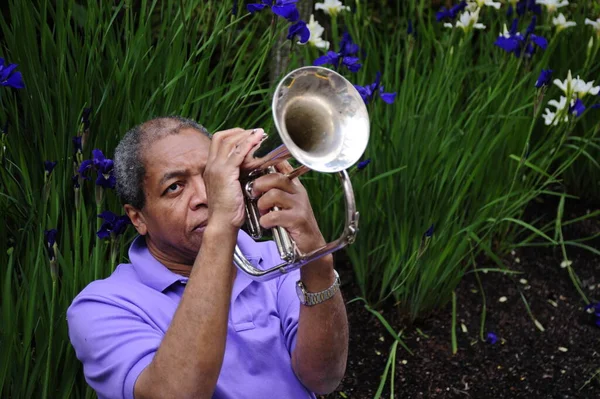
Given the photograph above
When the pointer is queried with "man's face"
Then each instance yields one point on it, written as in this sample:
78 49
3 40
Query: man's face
175 211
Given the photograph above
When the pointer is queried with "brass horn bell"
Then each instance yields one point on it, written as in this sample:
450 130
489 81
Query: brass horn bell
324 124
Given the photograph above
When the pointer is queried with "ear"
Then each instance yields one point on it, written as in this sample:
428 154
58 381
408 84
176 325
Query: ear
137 219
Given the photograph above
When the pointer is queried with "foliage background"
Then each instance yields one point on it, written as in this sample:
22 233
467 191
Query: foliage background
463 147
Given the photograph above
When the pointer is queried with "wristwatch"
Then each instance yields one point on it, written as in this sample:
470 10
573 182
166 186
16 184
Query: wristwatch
311 299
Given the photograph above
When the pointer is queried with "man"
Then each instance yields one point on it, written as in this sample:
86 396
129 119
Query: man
179 321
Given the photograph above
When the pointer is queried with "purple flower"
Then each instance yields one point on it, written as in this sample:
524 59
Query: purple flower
429 231
544 78
85 118
451 13
49 166
595 309
75 181
234 9
363 164
299 29
410 30
491 338
282 8
50 237
77 147
518 44
368 92
344 57
103 166
577 108
528 5
112 224
9 77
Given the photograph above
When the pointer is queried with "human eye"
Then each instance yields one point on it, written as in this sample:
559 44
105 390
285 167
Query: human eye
173 188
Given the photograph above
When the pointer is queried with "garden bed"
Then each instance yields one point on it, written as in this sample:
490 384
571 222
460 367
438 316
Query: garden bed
561 362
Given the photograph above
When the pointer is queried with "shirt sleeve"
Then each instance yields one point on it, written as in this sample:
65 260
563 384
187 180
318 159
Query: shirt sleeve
112 342
288 307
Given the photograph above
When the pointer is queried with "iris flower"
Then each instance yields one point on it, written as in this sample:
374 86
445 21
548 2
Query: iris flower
49 167
368 92
595 309
489 3
550 118
561 22
9 77
492 338
450 14
103 166
112 224
467 21
75 181
331 7
343 57
595 24
316 31
429 232
299 29
77 147
577 107
552 5
282 8
514 42
528 5
363 164
50 237
577 86
544 78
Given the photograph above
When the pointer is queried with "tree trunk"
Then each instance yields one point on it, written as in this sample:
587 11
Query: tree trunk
280 55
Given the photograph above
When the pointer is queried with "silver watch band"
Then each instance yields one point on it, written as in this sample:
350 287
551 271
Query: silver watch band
311 299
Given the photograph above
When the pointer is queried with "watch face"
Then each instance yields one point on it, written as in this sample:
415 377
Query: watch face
300 293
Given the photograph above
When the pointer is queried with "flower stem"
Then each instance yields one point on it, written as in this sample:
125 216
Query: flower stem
50 339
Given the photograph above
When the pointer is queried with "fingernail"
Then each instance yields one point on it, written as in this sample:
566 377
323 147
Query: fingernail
265 136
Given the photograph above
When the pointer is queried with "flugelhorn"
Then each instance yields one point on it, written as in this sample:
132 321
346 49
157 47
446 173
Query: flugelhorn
324 125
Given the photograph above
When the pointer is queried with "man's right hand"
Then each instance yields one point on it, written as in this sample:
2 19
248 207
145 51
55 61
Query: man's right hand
228 150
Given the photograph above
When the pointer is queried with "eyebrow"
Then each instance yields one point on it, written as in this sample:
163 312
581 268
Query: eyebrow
169 175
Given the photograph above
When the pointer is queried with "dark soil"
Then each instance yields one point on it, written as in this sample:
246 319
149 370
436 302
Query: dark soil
525 362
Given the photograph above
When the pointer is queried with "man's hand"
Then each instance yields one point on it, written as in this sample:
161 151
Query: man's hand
295 214
228 150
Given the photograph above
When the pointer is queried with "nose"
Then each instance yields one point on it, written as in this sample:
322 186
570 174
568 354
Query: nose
198 198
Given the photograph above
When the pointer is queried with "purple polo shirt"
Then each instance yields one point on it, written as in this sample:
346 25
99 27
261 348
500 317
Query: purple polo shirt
117 324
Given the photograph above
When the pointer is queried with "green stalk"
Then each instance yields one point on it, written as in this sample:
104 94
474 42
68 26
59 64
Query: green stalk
50 340
454 342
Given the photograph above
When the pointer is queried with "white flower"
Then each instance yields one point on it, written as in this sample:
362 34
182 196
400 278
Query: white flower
331 7
489 3
553 5
550 117
583 88
567 85
577 87
316 30
595 24
467 21
561 22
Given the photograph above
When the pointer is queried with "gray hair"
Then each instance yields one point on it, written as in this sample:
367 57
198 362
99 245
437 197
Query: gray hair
129 165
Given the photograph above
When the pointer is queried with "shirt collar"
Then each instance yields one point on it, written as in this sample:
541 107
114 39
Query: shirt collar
154 274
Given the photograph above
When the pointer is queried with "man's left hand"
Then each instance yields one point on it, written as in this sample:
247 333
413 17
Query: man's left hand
295 214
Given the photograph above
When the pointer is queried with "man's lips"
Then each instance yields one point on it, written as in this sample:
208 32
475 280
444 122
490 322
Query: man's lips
200 227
